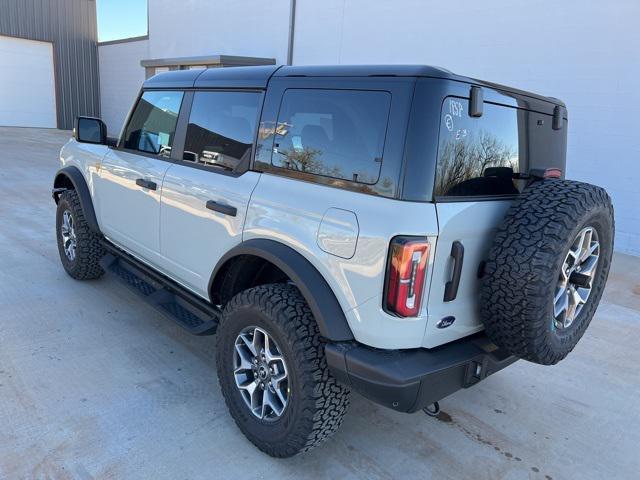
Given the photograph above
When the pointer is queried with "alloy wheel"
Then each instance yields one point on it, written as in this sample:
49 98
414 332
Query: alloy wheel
261 374
576 278
68 233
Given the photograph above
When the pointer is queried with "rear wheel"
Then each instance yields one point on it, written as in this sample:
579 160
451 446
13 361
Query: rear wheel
79 247
273 373
547 269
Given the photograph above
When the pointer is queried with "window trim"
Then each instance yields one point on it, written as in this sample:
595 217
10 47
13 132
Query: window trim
326 179
119 145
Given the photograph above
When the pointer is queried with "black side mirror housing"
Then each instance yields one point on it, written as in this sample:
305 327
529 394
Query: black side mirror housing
90 130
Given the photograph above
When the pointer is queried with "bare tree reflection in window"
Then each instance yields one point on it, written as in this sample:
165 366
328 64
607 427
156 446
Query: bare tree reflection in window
468 158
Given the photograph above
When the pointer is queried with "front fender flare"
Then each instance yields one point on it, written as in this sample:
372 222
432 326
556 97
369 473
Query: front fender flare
331 320
74 176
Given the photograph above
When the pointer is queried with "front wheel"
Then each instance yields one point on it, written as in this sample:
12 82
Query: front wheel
273 373
79 247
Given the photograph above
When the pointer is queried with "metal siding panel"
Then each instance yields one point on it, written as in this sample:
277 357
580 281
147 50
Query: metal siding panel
71 26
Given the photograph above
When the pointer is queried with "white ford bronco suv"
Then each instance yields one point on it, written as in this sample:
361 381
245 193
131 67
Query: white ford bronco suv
399 231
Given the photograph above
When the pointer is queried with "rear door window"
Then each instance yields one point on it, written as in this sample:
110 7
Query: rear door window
332 133
478 156
221 128
152 126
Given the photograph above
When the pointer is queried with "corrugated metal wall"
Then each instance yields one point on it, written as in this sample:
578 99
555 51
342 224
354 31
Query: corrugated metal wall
71 26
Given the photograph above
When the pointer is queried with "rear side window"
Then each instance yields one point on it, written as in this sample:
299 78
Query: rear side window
332 133
477 156
153 123
221 128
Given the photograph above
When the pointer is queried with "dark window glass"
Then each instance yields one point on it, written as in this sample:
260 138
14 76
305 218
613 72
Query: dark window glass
153 123
477 156
221 128
334 133
89 130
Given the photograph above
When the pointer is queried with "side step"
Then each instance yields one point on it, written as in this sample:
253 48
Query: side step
186 309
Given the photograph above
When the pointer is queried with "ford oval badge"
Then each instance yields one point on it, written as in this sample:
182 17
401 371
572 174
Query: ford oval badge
446 322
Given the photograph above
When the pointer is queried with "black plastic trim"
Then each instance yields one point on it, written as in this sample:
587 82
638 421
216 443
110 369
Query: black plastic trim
324 305
558 117
166 291
408 380
451 287
476 102
79 185
148 184
221 208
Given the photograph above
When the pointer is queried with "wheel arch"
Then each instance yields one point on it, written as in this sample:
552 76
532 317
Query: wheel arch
332 322
71 178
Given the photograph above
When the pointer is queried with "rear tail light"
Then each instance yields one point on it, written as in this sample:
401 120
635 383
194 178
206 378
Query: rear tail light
406 275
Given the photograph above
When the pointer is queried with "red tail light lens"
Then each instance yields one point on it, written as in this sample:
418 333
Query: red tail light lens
405 275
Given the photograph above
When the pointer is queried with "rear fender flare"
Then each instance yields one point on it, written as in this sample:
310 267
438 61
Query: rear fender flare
331 320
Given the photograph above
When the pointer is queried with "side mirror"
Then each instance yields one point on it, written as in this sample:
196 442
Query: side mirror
90 130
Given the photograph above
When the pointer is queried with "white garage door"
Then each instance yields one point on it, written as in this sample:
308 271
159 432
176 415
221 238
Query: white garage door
27 85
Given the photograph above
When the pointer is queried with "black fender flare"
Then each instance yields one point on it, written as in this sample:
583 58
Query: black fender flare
74 175
332 322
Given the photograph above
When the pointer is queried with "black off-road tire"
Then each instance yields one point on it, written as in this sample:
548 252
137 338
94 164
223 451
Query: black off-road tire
89 250
317 402
523 268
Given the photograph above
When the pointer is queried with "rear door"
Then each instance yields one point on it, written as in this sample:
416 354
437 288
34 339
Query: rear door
206 192
130 177
474 186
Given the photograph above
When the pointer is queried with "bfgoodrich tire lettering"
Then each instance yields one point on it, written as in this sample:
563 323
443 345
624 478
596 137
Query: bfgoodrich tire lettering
524 267
85 263
316 402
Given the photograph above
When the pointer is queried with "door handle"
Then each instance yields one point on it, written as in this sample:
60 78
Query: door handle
451 287
222 208
148 184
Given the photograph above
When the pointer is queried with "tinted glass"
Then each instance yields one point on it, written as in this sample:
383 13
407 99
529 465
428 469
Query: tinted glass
334 133
478 156
89 130
221 128
153 123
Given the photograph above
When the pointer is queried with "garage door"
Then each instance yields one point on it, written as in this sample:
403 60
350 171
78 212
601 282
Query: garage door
27 85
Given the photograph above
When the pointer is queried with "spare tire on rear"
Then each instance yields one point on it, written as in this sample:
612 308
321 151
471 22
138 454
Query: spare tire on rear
547 269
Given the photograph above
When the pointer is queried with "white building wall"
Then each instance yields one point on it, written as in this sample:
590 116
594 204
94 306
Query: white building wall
120 79
252 28
586 53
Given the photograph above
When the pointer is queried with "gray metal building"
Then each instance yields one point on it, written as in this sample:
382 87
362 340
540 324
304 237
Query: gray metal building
29 29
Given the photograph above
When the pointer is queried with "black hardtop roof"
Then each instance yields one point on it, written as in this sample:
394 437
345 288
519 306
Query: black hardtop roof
258 76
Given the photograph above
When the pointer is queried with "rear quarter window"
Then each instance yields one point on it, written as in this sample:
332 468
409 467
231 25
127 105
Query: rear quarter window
478 156
332 133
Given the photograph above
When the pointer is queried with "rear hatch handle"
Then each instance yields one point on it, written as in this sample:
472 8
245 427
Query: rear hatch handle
451 287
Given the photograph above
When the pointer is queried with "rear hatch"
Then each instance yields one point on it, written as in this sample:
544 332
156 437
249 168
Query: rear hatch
484 155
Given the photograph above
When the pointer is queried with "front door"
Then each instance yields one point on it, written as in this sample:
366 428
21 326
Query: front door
205 194
130 179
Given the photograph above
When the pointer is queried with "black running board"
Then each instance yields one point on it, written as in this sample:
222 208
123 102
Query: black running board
188 310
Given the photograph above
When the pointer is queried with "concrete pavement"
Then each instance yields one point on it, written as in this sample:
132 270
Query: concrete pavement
96 384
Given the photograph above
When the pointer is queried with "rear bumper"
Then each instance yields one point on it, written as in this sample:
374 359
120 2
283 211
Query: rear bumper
408 380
